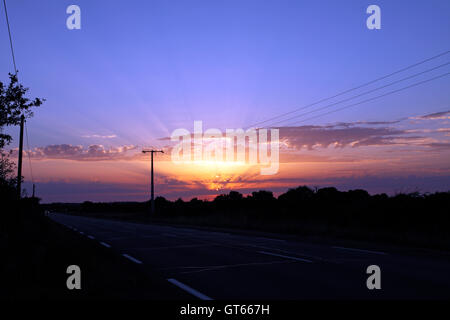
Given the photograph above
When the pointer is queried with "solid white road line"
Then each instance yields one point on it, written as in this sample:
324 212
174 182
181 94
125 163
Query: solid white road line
105 244
192 291
132 259
283 256
360 250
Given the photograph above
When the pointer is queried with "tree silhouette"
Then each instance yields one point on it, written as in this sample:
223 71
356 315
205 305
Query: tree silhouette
14 104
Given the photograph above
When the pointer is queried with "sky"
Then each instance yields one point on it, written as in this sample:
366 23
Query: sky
138 70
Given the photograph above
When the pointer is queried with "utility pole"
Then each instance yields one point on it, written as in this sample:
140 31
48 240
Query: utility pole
19 169
152 192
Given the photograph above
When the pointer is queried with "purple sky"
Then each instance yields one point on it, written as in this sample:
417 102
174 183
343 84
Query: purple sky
137 70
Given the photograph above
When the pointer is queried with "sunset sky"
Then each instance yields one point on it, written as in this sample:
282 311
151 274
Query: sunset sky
138 70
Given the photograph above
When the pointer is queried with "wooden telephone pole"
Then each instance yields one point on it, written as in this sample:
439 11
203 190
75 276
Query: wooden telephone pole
19 167
152 196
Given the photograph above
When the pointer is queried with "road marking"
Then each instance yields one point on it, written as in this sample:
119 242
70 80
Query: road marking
91 237
174 247
132 259
213 268
270 239
192 291
213 233
170 235
81 232
288 252
360 250
283 256
147 237
121 238
105 244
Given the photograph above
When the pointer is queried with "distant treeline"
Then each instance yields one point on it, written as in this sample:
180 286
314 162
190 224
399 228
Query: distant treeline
301 209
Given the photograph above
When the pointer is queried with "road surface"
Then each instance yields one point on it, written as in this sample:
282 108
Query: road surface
229 265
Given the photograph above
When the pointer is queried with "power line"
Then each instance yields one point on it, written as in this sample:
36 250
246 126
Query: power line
350 90
10 38
371 99
359 95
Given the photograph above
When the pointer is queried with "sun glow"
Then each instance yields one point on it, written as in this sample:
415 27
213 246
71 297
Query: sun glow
215 175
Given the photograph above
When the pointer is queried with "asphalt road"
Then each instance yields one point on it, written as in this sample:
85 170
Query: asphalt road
228 265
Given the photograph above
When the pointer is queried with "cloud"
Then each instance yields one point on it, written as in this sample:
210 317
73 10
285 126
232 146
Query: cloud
446 131
365 133
370 123
434 116
311 137
339 135
100 136
94 152
439 145
60 150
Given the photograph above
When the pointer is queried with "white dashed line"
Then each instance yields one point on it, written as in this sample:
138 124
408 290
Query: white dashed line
132 259
360 250
91 237
192 291
283 256
105 244
81 232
